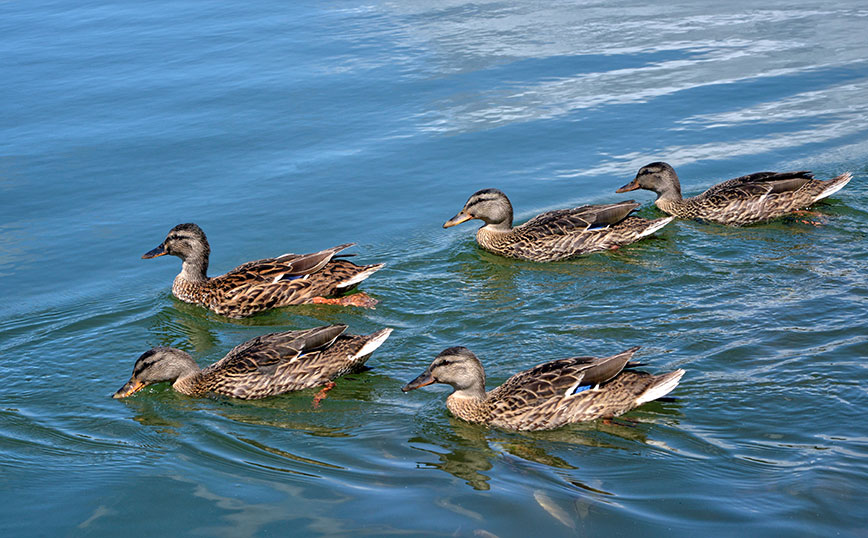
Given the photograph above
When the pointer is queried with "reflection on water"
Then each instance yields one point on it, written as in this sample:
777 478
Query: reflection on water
468 451
467 464
287 455
292 411
150 412
554 509
286 412
184 329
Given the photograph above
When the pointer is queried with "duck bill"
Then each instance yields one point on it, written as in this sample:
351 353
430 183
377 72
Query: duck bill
632 186
424 379
128 389
155 253
457 219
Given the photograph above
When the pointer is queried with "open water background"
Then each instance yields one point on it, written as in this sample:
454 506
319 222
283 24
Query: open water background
294 126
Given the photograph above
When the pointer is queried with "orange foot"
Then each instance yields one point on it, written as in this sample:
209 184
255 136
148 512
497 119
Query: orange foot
821 219
320 396
357 299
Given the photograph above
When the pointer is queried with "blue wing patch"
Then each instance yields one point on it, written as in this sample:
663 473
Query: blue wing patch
581 388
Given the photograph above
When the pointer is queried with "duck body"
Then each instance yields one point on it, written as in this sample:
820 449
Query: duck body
745 200
258 285
549 395
555 235
265 366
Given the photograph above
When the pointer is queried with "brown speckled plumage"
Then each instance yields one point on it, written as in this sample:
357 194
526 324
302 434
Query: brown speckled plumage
258 285
264 366
554 235
737 202
548 395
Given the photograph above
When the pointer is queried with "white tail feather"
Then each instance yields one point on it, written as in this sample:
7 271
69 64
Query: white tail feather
843 179
662 388
372 344
355 279
656 226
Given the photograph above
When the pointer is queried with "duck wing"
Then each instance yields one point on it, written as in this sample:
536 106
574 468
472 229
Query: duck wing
761 183
566 221
555 380
284 267
262 355
542 396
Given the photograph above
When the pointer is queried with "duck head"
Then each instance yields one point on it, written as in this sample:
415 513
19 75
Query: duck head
188 242
455 366
158 365
488 205
184 241
659 177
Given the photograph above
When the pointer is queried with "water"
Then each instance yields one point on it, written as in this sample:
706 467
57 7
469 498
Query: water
297 126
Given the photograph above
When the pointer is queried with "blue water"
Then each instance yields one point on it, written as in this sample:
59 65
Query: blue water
298 126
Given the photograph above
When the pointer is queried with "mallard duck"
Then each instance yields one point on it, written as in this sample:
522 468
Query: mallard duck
740 201
554 235
548 395
264 366
262 284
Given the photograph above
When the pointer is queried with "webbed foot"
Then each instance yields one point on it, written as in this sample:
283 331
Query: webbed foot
320 396
362 300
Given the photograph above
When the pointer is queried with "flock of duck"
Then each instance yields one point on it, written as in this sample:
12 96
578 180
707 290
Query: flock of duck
546 396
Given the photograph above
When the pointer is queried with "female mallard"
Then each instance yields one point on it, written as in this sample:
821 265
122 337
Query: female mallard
264 366
547 396
262 284
743 200
554 235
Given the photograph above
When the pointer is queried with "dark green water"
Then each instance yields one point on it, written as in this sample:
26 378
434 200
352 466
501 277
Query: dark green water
297 126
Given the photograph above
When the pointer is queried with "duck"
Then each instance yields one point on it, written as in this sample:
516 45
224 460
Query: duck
264 366
554 235
745 200
290 279
549 395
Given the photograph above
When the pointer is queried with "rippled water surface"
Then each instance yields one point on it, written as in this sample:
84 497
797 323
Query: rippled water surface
295 126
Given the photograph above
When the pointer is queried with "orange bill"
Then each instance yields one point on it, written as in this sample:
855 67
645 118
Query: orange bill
457 219
157 252
632 186
425 379
132 386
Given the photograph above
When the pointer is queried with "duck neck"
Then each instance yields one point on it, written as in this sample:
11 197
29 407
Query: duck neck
500 227
473 392
468 404
505 223
669 188
671 194
189 382
195 268
670 206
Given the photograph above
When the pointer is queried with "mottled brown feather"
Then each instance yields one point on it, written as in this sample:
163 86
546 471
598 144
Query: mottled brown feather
545 397
258 285
282 362
737 202
554 235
